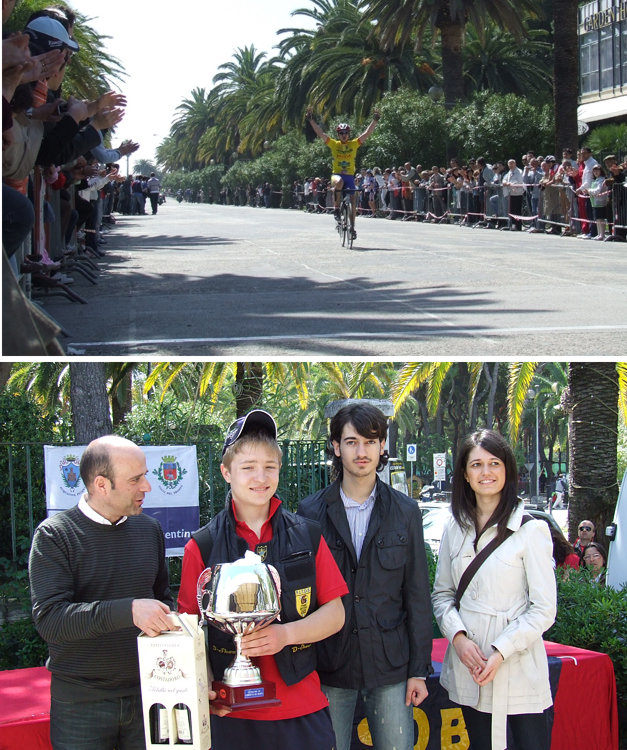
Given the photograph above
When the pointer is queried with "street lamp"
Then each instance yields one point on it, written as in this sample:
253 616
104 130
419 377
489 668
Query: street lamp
531 394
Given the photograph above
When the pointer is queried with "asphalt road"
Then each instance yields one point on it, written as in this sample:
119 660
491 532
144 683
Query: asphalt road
230 282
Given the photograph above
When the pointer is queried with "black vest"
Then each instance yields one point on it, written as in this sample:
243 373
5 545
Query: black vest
292 551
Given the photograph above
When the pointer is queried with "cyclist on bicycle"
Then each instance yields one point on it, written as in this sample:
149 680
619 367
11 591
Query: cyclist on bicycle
344 151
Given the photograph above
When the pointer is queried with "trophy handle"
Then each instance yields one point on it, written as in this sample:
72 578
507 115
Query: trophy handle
277 583
203 580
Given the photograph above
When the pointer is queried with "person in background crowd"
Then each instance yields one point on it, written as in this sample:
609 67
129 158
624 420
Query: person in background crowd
496 666
561 490
617 174
586 164
563 551
587 534
595 559
599 191
98 577
153 186
138 199
513 183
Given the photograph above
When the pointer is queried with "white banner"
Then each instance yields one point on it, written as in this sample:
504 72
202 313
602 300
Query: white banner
173 476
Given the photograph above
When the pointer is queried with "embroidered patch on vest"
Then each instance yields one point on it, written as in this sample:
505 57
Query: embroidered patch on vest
303 600
262 551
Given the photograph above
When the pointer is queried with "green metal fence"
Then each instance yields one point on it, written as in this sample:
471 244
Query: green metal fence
23 494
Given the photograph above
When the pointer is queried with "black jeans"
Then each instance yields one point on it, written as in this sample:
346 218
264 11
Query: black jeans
524 731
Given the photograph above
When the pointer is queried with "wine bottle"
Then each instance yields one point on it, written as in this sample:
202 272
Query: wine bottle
159 725
183 718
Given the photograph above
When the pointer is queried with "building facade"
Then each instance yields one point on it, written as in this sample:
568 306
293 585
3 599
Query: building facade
602 62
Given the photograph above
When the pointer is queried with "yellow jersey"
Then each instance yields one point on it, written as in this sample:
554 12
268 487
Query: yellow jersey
343 155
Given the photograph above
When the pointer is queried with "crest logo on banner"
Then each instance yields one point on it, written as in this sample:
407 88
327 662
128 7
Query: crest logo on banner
169 473
70 471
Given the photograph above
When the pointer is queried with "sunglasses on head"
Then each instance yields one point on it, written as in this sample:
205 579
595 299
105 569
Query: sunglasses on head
585 528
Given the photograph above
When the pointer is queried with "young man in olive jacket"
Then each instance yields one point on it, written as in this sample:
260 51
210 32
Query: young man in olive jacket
375 535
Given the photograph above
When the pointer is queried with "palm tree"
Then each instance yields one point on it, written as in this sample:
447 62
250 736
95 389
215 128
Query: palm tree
399 22
340 66
462 381
596 391
50 384
492 62
565 73
195 118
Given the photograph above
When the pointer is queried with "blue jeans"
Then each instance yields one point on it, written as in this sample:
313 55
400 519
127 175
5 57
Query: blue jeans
115 724
390 721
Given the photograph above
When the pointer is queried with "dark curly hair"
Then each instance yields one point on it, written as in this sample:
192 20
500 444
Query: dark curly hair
369 422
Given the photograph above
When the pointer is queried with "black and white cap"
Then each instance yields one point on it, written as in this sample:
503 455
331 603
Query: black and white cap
51 33
257 419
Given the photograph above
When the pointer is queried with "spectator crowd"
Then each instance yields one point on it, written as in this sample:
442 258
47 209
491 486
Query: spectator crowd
60 182
576 196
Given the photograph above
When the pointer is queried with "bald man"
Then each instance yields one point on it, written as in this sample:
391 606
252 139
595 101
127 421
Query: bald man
98 577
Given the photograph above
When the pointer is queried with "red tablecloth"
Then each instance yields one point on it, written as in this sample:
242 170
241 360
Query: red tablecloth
585 704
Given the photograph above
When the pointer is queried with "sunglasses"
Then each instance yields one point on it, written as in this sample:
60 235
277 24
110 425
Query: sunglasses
343 132
585 528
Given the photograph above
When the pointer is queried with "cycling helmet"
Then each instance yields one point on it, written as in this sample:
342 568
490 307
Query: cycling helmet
343 127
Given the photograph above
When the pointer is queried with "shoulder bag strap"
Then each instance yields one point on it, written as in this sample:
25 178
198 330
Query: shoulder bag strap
474 566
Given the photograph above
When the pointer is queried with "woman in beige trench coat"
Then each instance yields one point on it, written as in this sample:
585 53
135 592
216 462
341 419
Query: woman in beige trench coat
495 666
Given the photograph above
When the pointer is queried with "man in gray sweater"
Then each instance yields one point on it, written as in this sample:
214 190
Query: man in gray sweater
98 576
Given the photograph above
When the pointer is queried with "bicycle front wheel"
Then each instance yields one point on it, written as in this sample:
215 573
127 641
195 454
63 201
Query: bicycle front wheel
345 224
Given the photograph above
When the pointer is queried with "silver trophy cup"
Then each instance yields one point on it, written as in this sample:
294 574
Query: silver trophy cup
238 598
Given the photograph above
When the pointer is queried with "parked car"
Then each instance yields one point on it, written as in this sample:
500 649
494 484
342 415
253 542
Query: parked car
435 516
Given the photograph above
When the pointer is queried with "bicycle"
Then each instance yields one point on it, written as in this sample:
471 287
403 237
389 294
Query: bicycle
344 226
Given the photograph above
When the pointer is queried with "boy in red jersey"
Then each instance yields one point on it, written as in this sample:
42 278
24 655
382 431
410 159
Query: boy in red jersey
311 591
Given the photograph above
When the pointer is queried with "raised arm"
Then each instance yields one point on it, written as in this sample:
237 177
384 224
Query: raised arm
370 129
316 128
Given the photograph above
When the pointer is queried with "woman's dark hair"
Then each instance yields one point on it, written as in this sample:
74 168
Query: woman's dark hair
60 13
369 422
561 546
599 548
463 500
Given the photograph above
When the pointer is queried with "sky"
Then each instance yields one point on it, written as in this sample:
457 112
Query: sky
168 49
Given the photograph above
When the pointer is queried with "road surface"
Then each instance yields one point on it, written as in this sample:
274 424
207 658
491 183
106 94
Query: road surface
237 282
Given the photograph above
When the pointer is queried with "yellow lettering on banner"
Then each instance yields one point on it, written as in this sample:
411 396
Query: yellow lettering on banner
363 733
420 717
453 735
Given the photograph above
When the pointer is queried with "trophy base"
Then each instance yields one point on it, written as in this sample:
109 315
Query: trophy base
245 696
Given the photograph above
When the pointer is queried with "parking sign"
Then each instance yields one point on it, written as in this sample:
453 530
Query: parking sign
439 467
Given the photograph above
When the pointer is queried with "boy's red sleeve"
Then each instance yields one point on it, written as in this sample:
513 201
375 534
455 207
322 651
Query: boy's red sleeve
329 581
193 566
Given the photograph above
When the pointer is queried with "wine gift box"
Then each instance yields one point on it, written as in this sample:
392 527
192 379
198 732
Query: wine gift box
175 686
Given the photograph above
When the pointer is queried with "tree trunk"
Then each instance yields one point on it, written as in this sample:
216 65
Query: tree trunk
493 379
452 34
5 373
248 386
90 404
592 440
122 399
565 74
